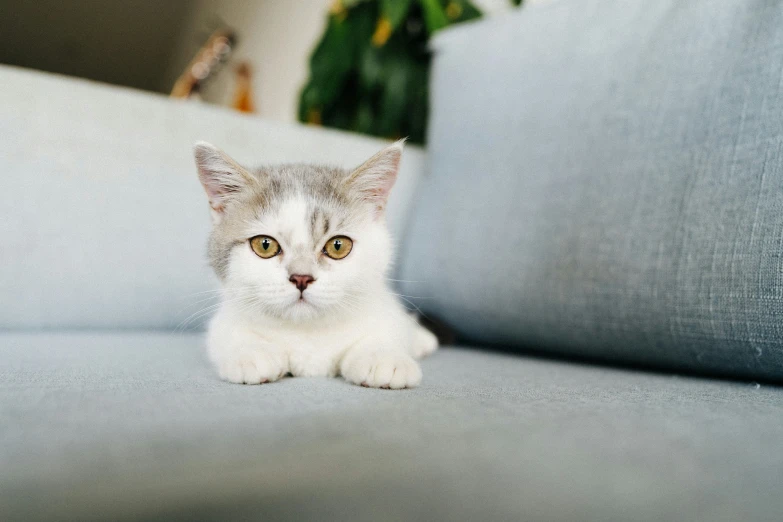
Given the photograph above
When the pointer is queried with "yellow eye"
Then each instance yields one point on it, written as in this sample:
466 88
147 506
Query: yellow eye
265 246
338 247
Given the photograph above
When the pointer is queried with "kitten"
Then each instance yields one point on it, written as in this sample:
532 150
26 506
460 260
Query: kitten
302 253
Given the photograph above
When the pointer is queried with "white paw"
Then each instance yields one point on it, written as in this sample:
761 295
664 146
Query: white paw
393 370
424 342
250 368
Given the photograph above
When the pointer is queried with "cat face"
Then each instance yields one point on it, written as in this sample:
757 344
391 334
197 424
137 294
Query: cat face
298 242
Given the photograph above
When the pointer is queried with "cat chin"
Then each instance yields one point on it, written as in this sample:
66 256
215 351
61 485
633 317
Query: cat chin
295 311
302 311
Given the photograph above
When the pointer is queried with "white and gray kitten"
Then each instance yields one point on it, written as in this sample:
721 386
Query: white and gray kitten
302 252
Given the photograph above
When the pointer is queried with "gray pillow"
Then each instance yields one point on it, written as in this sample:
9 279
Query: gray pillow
607 182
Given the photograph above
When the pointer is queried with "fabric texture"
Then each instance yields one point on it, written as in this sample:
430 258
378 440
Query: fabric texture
104 221
608 184
136 426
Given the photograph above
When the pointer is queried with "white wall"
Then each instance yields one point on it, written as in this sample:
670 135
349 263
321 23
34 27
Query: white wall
276 37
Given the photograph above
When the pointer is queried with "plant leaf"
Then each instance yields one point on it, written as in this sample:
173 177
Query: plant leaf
434 16
330 62
395 11
466 9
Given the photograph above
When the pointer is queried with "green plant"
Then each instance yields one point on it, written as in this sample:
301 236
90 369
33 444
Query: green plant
370 71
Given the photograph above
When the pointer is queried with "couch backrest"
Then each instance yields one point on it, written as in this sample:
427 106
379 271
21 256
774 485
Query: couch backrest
607 182
104 222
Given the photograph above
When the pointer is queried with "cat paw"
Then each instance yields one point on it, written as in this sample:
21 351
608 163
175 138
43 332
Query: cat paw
424 343
390 370
251 368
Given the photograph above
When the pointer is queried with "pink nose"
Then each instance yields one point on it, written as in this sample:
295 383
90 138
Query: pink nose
301 281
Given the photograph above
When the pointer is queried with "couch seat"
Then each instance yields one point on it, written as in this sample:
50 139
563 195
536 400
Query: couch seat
128 425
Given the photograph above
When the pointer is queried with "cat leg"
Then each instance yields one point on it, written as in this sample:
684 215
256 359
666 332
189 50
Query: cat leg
240 356
368 365
424 342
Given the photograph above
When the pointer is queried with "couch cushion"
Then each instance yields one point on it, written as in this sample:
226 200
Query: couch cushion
608 184
104 221
136 426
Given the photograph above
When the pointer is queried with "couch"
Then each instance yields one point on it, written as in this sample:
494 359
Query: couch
616 169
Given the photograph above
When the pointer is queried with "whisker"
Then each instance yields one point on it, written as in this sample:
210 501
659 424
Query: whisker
195 316
217 291
416 307
411 296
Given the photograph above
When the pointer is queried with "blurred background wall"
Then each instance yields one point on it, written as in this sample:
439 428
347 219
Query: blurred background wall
274 37
146 44
125 42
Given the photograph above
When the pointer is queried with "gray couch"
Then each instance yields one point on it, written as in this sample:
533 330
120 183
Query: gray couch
616 168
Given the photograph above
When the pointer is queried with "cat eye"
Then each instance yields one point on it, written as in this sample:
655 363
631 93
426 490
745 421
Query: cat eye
338 247
265 246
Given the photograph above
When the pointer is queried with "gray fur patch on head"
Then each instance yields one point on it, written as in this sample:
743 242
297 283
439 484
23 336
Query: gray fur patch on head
328 202
319 221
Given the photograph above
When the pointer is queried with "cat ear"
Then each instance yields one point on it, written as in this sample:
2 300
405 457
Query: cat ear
221 176
374 179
